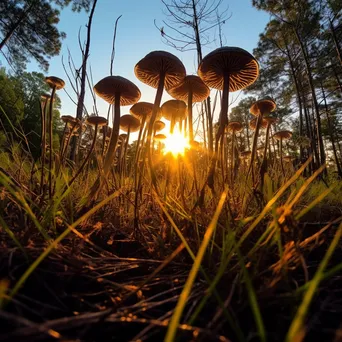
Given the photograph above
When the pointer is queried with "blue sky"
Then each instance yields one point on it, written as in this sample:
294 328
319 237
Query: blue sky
137 36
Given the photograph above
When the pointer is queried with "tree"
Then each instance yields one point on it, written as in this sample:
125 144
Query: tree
28 30
20 105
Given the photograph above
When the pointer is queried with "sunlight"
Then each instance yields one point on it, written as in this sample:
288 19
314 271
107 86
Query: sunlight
176 143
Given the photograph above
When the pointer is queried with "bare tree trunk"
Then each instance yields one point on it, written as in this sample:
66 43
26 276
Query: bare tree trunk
298 99
331 133
337 46
80 102
314 99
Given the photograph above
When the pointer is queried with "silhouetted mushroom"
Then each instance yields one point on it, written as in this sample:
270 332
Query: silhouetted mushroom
158 69
282 135
96 121
55 83
226 69
117 91
174 111
191 89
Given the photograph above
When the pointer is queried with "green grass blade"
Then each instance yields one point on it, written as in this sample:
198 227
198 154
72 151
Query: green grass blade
296 328
55 243
175 319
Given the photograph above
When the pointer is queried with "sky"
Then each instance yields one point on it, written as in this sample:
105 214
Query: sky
136 37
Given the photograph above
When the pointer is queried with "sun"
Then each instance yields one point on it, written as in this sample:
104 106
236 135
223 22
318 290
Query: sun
176 143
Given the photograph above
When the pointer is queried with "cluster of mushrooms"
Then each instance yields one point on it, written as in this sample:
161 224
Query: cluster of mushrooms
227 69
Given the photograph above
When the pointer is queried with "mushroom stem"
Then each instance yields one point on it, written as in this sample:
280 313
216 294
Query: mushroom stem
222 122
281 156
125 152
51 141
86 159
263 167
156 106
65 148
232 165
114 136
43 144
254 148
191 132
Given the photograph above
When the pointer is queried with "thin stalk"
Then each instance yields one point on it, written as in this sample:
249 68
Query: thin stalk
50 141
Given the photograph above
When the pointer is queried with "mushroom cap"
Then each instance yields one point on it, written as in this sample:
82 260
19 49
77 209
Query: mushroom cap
96 120
282 135
270 119
45 97
234 126
174 109
123 136
158 125
129 122
159 137
107 130
252 123
68 118
289 158
111 85
245 154
54 81
149 69
195 145
200 90
263 107
141 110
242 67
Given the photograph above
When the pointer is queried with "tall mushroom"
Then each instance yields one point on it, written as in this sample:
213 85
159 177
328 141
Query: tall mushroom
233 127
128 123
227 69
96 121
191 89
158 69
282 135
55 83
174 111
260 109
117 91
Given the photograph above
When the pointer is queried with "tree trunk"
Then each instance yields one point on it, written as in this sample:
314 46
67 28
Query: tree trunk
314 99
80 102
337 46
331 133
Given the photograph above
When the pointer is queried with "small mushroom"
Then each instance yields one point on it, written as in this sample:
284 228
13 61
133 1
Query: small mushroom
280 136
55 83
191 89
174 111
117 91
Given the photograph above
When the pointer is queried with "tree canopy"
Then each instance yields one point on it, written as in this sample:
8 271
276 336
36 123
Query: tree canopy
29 30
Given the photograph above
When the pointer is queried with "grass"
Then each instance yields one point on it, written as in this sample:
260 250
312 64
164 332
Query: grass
141 262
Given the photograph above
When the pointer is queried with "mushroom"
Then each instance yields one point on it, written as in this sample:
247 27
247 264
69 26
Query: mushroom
227 69
280 136
70 122
260 109
158 69
174 111
233 127
128 123
55 83
158 126
159 138
143 112
117 91
191 89
96 121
